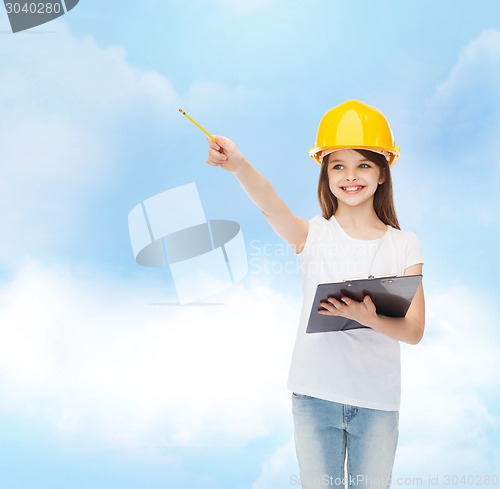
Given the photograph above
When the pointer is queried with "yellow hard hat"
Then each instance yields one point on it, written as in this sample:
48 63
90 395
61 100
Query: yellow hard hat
354 124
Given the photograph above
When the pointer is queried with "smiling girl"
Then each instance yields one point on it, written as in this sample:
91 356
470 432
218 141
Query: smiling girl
346 384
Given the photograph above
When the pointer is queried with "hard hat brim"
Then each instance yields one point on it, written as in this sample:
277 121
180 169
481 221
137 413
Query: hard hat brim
317 154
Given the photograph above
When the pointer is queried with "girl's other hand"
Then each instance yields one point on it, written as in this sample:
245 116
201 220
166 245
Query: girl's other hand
363 312
224 153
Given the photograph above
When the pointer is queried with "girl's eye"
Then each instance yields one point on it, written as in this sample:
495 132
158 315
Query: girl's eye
337 167
364 165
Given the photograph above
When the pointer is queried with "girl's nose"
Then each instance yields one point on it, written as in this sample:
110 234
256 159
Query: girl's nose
351 175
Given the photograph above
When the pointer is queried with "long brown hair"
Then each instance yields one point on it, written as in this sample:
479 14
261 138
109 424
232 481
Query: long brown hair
383 201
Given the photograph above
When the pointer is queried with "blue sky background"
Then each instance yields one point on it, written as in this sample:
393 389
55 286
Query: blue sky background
100 385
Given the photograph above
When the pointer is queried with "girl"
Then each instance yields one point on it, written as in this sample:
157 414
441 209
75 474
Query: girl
346 384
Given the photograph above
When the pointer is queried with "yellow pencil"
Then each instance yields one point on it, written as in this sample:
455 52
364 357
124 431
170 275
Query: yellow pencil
198 126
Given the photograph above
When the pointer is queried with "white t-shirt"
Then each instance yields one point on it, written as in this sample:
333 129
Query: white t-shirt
360 367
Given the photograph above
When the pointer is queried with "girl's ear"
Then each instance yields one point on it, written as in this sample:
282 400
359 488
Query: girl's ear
382 176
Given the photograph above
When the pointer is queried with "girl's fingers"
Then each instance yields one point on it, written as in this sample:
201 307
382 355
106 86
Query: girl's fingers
337 304
216 155
213 144
347 300
328 305
213 162
330 310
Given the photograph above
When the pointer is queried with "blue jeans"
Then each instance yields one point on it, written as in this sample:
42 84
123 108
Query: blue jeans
325 432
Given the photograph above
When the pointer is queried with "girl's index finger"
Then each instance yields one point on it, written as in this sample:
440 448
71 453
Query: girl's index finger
213 144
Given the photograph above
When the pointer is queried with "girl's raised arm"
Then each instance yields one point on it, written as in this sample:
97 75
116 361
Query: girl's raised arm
293 229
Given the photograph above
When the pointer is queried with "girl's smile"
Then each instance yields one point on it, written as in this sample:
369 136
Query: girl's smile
353 189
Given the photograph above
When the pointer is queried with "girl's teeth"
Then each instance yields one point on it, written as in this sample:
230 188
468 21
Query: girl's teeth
351 189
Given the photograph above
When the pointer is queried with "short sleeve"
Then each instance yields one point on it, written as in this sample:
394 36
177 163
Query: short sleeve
314 229
414 253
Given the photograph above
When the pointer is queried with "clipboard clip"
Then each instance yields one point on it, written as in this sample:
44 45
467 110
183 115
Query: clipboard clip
370 277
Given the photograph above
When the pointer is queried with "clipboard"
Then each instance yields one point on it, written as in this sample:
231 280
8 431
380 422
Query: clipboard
392 297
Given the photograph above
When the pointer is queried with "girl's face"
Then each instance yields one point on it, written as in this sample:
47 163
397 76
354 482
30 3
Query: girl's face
352 178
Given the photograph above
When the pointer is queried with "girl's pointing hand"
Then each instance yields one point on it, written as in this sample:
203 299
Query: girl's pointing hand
224 153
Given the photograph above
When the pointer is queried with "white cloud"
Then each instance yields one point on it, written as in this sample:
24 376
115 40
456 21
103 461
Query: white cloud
462 121
81 127
65 102
90 357
477 68
462 118
449 413
455 151
280 470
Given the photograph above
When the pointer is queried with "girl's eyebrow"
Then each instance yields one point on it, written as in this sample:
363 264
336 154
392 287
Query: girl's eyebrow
342 161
